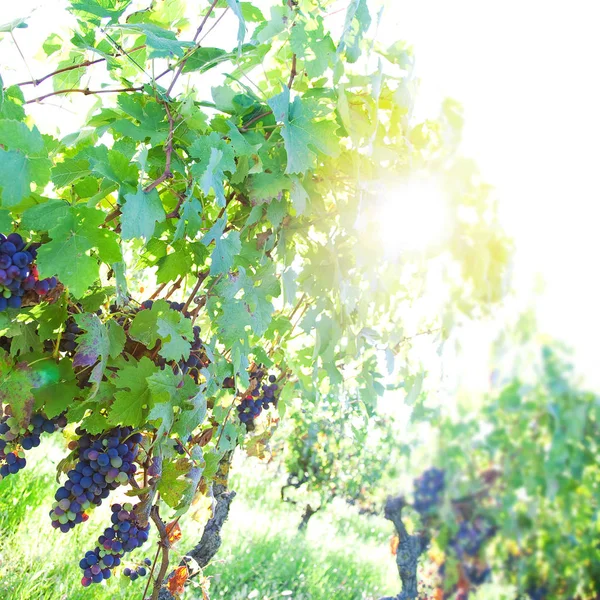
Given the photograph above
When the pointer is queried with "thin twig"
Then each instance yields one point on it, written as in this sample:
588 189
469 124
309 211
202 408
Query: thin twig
255 119
160 288
201 277
293 71
165 546
166 174
81 65
198 32
174 288
85 92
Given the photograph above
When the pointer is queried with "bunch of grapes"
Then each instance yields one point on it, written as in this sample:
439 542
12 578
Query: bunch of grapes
18 274
260 398
537 593
139 571
124 535
471 537
105 462
179 447
16 440
428 490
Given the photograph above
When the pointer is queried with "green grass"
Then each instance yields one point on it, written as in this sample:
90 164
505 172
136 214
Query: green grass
343 555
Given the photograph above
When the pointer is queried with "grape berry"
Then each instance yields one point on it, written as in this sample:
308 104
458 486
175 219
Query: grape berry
105 463
124 535
428 490
260 398
18 273
16 440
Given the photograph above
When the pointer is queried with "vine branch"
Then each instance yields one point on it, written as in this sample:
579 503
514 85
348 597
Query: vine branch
81 65
166 174
85 92
196 36
164 545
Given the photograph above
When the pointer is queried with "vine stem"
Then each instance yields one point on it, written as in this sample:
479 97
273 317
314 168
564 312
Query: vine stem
164 546
166 174
85 92
196 36
201 277
81 65
293 70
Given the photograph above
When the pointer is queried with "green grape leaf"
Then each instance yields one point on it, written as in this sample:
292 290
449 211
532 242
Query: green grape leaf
162 42
163 412
6 221
215 157
23 161
358 21
173 484
192 415
227 246
316 48
45 216
69 170
66 255
140 214
134 399
169 326
302 135
56 388
16 383
204 58
12 25
236 8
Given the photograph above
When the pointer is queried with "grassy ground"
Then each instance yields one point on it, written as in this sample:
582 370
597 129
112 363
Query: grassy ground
343 555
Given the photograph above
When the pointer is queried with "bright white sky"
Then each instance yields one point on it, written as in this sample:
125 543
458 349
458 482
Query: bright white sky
526 73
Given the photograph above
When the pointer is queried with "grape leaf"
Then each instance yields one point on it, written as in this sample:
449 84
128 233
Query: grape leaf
316 47
5 221
168 326
303 136
134 398
56 388
173 484
163 43
45 216
236 8
69 170
16 382
140 214
66 255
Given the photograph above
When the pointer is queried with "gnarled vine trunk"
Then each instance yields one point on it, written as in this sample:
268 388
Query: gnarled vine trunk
410 547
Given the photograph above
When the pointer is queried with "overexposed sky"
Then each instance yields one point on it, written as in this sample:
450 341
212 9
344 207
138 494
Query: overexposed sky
525 71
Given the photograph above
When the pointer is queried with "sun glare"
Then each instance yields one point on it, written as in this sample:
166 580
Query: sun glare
412 216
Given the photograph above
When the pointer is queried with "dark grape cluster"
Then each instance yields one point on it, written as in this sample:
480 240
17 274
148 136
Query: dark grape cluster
16 440
105 462
179 447
471 536
428 490
139 571
260 398
68 342
124 535
18 273
537 593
